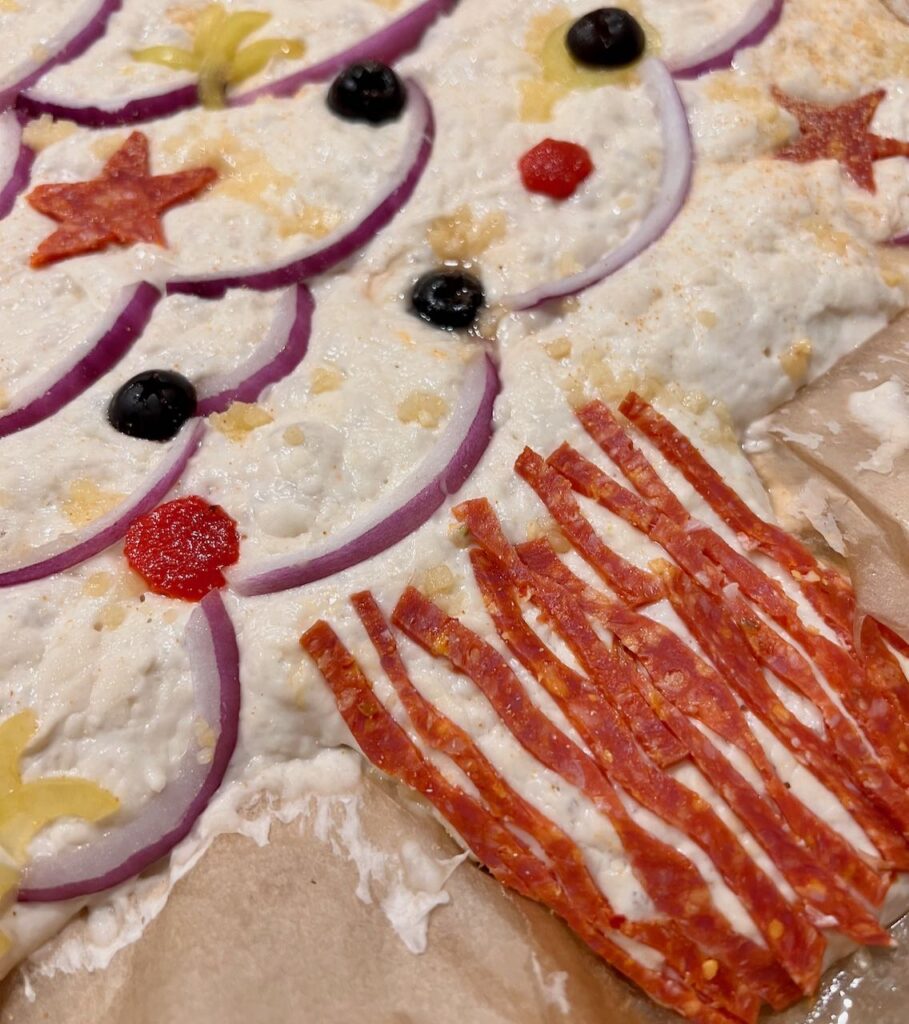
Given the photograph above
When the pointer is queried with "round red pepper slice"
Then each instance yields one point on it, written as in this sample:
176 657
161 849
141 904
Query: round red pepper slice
555 168
180 548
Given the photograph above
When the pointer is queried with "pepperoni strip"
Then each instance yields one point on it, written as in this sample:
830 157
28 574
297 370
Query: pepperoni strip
561 851
556 494
683 685
829 592
794 942
737 641
508 858
632 584
680 892
884 729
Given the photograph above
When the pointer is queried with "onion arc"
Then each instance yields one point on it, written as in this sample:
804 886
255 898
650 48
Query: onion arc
347 240
84 28
675 184
15 161
753 28
111 339
442 473
74 548
279 354
124 850
389 44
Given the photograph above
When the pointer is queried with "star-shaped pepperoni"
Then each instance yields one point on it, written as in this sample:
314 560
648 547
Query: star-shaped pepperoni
122 206
840 133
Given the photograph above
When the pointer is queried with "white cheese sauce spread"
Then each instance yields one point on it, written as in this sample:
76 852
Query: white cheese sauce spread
772 271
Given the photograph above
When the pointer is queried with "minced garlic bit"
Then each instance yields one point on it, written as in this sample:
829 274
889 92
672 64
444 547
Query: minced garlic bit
85 502
458 237
549 530
388 5
240 419
111 616
294 436
326 378
309 219
796 360
10 6
424 408
435 581
706 318
776 930
559 349
709 969
98 584
44 131
460 535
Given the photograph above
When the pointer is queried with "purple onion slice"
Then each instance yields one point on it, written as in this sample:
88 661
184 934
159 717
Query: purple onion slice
124 850
442 473
74 548
347 240
280 353
111 339
15 161
755 25
85 27
389 44
675 184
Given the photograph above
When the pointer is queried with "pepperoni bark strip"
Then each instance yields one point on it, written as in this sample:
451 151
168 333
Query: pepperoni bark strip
830 593
509 859
680 892
685 686
738 643
650 732
632 584
617 752
883 783
562 852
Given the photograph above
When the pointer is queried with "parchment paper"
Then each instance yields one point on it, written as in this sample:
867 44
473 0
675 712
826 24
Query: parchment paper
276 935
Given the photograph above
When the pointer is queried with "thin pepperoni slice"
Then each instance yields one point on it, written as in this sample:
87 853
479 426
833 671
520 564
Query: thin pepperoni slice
561 851
736 639
623 577
683 685
682 894
632 584
882 783
508 858
829 592
656 790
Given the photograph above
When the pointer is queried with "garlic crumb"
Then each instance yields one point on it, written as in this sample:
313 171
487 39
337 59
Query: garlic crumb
85 502
796 360
240 419
548 529
98 584
294 436
559 349
459 237
44 131
435 581
326 378
424 408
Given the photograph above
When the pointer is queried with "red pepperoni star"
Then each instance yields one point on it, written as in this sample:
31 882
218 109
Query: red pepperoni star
122 206
840 133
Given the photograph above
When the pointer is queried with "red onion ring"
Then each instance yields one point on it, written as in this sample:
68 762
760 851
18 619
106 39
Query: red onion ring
123 323
280 353
442 473
343 243
125 850
755 25
15 161
74 548
388 44
675 184
85 27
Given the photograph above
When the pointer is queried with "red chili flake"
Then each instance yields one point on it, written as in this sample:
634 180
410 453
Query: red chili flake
555 168
180 548
122 206
840 133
